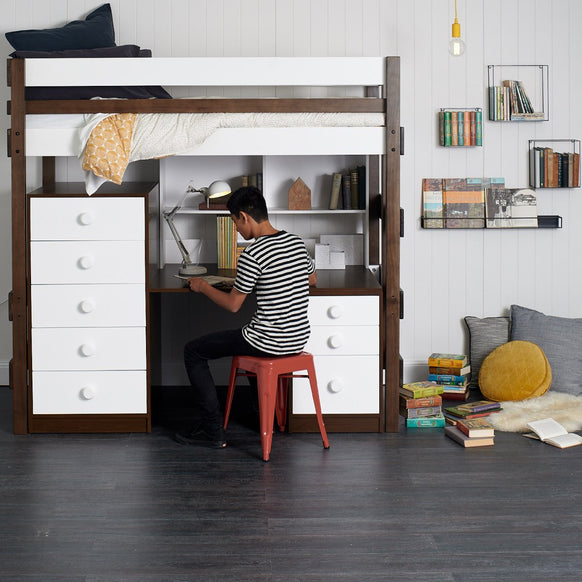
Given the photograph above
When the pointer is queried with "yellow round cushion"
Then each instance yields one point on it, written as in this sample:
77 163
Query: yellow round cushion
516 370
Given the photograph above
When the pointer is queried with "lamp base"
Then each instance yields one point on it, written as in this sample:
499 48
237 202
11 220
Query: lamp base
192 270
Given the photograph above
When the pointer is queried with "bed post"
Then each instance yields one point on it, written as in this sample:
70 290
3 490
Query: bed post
391 243
18 303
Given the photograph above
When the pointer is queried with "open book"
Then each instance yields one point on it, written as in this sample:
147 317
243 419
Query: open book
552 432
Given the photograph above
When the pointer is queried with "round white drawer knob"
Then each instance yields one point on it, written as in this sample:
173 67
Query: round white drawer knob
85 218
335 341
335 311
336 385
87 350
87 393
86 262
87 306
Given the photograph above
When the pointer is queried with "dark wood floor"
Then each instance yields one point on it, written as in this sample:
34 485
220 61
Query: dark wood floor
389 507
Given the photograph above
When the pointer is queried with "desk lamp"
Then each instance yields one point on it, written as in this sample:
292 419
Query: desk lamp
215 190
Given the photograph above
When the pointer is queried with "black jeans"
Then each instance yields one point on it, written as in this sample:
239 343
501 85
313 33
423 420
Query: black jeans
197 353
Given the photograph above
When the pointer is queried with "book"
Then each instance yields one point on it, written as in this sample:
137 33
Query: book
463 203
362 193
449 379
426 422
460 396
214 280
408 402
457 412
475 427
449 370
451 360
432 203
511 208
421 412
336 186
553 433
355 188
346 192
481 406
421 389
455 434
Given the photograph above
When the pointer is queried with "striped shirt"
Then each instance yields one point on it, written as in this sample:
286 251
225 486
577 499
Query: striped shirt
277 267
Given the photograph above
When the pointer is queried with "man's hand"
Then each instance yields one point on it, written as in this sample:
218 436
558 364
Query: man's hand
197 284
230 301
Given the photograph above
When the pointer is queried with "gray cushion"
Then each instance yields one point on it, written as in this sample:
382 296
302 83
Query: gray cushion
561 340
485 334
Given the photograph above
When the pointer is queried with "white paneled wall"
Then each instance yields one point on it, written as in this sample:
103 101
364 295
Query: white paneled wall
446 274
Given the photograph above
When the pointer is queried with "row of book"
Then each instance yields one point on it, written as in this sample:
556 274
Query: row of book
348 189
510 102
255 180
226 239
476 203
550 169
461 127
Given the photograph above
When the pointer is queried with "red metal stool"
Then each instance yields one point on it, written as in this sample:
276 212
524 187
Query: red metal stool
272 378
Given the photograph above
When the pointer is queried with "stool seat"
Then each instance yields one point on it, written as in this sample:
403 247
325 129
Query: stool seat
272 375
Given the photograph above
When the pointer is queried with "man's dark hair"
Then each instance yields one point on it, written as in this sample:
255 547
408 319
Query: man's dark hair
250 200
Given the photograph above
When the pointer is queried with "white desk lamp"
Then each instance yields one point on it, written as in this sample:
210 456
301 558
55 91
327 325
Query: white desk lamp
215 190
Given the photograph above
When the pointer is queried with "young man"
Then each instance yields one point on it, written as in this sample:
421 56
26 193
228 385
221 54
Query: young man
278 268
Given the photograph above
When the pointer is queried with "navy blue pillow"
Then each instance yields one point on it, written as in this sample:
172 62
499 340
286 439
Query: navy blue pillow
95 31
128 50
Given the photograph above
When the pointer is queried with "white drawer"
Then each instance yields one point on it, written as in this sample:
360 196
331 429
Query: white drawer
348 385
89 392
344 310
344 340
121 348
85 218
87 262
88 305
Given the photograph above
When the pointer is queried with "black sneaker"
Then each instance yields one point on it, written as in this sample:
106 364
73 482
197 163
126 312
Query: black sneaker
202 435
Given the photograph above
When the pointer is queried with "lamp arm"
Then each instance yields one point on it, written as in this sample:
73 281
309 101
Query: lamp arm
169 217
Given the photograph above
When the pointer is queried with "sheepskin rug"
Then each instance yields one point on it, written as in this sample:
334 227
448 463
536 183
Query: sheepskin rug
564 408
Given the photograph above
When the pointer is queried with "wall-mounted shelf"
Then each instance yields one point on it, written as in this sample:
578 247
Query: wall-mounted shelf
544 221
549 168
518 92
461 127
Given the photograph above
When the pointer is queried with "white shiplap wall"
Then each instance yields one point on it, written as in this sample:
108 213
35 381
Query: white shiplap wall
447 274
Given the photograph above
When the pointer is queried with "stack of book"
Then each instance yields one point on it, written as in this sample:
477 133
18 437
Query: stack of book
471 432
470 410
421 404
452 372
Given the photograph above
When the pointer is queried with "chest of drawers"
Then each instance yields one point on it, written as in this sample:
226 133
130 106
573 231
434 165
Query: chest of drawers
88 318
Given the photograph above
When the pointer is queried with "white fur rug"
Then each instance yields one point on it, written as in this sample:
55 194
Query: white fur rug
564 408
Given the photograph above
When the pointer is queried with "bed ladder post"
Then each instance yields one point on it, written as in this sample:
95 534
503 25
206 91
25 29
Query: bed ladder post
19 364
391 243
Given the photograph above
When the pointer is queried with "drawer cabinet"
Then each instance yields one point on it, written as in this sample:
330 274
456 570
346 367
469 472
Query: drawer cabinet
345 343
88 306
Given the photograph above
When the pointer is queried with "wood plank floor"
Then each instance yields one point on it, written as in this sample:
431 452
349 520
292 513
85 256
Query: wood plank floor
374 507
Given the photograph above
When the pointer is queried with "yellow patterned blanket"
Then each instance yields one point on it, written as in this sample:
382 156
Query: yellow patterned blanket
108 147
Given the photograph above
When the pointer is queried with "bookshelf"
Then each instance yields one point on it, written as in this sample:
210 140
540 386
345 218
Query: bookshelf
461 127
554 163
518 92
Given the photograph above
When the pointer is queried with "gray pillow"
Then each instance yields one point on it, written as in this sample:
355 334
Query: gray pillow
561 340
485 334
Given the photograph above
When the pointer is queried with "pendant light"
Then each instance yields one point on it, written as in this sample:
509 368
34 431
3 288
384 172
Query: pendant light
456 44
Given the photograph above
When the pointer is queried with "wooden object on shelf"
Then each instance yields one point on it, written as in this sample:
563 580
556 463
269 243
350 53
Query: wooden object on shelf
299 196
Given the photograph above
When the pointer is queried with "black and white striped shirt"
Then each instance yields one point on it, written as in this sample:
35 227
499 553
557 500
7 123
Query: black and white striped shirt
277 266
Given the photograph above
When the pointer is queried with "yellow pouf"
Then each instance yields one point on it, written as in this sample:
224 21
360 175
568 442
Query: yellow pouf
516 370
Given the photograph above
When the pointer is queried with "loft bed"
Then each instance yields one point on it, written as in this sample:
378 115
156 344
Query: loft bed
37 132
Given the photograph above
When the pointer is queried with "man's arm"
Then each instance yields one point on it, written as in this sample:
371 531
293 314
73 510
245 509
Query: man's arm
231 301
313 279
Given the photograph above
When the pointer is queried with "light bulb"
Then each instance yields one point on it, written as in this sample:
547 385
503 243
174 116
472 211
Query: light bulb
456 47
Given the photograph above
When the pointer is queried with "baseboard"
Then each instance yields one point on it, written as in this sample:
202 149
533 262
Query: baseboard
415 371
4 374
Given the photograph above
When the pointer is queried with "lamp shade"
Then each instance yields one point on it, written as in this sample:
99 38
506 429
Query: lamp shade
218 189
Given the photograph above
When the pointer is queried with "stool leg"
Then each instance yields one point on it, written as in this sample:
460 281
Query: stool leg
281 405
267 388
317 404
230 392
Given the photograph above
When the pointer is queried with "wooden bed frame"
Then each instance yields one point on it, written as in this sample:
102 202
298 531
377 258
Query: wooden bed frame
384 206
